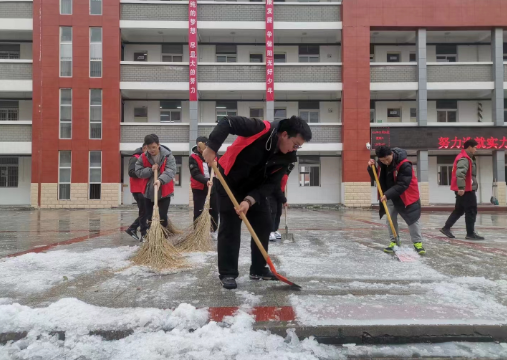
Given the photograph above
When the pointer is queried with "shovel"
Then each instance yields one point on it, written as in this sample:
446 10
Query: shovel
287 235
250 228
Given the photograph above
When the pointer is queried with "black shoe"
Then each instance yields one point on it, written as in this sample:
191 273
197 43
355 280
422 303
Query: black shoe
447 232
132 233
266 275
143 239
474 236
229 283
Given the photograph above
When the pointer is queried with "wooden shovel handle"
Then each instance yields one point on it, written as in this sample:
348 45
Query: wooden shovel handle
155 188
374 169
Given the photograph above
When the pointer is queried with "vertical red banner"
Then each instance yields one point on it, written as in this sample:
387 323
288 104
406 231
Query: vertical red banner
270 39
192 50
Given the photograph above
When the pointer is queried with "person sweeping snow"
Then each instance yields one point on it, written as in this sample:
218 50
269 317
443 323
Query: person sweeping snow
253 166
159 158
399 184
137 186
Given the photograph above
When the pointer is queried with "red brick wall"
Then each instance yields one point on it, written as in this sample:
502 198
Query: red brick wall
46 85
358 17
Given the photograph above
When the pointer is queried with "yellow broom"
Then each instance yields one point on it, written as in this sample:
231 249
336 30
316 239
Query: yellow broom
156 252
172 229
198 237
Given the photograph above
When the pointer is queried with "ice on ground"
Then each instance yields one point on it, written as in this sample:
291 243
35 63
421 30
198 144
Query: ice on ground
32 272
250 299
184 333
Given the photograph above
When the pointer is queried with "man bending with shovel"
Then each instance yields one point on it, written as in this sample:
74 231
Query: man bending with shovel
398 182
253 166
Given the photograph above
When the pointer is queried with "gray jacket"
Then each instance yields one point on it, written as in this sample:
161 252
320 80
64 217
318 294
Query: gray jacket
146 172
461 173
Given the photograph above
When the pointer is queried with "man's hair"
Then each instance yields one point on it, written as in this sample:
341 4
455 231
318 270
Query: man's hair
470 143
294 126
383 151
202 139
151 139
144 144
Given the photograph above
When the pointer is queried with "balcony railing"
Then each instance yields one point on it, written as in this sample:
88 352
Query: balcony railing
15 69
390 73
132 71
231 72
15 131
460 72
16 9
308 73
167 133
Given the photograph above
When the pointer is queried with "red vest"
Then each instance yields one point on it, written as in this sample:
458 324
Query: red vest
227 161
167 189
194 184
468 179
411 195
137 185
284 182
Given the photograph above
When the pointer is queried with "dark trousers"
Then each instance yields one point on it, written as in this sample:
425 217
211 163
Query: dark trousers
276 212
466 204
199 201
163 208
141 219
229 234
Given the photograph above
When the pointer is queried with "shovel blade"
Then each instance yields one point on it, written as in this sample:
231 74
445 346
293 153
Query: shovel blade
287 281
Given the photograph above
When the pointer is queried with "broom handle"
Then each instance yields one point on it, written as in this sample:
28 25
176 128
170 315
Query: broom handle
209 187
155 189
285 207
243 216
383 202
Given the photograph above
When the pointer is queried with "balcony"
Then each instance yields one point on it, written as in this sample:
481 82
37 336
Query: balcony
15 75
15 137
153 76
460 72
16 15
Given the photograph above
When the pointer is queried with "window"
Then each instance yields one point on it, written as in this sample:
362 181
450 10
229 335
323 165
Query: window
309 53
372 52
141 114
170 111
141 56
309 111
65 7
372 111
256 58
444 175
177 177
226 108
95 174
413 114
447 110
280 58
9 110
412 57
257 114
10 51
280 113
65 51
172 53
64 175
447 53
95 7
9 167
393 57
504 51
393 115
309 171
65 113
95 52
226 53
95 114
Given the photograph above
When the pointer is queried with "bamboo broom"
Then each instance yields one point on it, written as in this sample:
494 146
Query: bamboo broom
156 252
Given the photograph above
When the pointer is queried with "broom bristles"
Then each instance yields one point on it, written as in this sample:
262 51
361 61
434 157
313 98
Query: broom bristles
198 237
156 252
172 229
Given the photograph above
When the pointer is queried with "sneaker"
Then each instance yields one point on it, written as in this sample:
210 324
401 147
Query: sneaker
266 275
132 233
228 282
143 239
474 236
272 237
214 236
447 232
419 248
278 235
390 248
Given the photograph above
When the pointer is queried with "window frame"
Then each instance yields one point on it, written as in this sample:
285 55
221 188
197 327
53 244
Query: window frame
66 43
60 167
309 111
278 117
101 52
257 55
10 54
7 111
447 111
60 114
439 174
146 117
179 170
101 113
170 111
392 117
413 118
71 7
261 117
90 168
101 7
7 172
410 56
301 175
280 62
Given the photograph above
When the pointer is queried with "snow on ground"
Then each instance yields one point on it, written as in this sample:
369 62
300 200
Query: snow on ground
184 333
32 273
448 302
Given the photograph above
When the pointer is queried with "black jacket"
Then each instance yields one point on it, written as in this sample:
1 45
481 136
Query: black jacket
132 163
393 188
195 172
259 167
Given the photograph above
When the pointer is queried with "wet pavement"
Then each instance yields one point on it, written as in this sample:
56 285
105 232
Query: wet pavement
337 258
